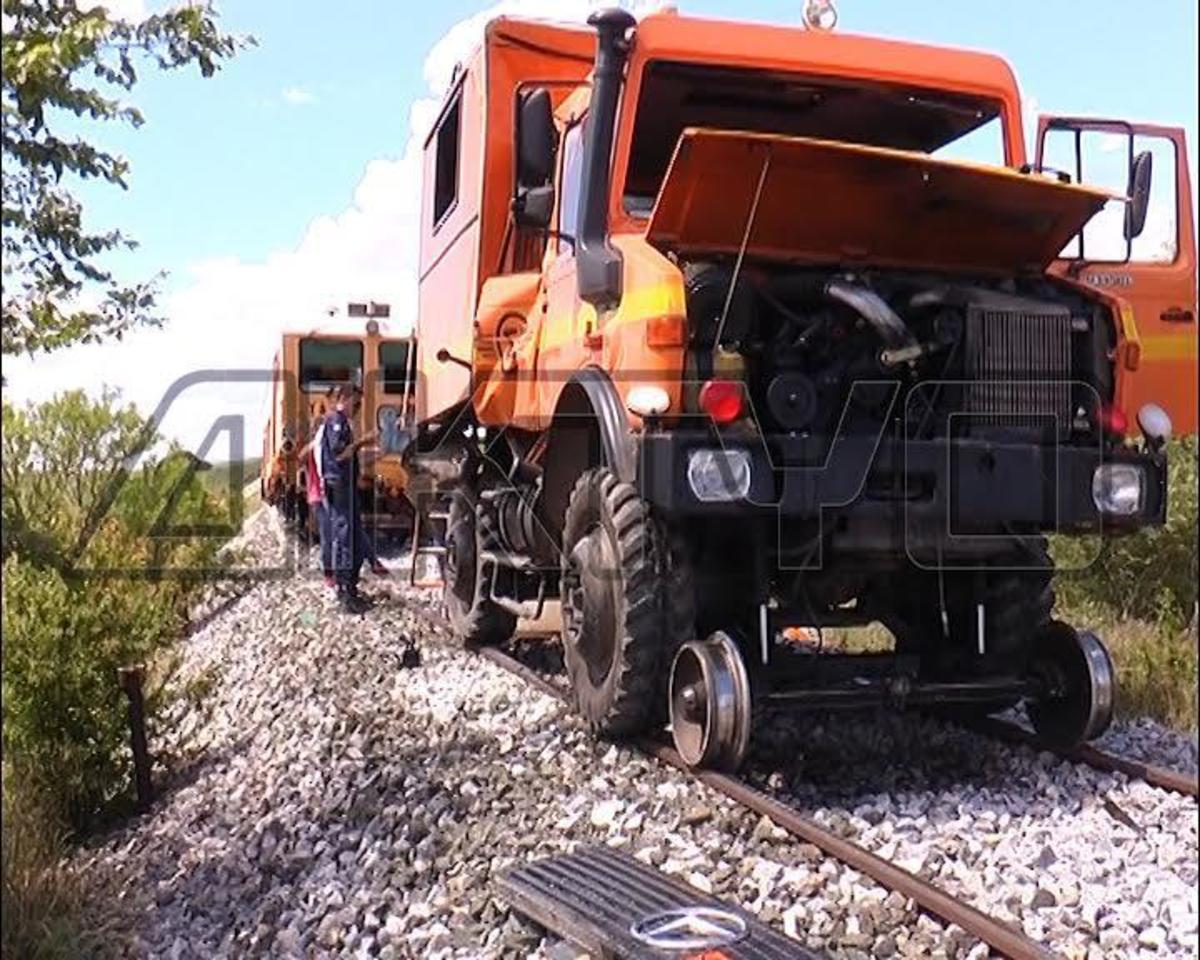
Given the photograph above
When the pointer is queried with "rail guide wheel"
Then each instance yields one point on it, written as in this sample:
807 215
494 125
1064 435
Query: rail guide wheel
710 704
1080 684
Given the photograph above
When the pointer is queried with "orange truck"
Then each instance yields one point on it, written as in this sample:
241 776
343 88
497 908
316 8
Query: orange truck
304 369
729 329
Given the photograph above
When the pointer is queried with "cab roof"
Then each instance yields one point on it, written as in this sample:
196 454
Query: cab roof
740 43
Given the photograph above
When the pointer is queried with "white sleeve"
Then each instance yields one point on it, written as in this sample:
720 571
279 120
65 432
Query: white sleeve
317 444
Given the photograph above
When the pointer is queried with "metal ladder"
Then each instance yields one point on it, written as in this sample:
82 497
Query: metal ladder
416 551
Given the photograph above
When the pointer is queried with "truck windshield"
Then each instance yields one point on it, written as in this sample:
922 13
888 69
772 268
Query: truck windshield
677 95
326 362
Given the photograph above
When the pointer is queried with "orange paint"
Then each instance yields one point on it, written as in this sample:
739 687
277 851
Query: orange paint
506 298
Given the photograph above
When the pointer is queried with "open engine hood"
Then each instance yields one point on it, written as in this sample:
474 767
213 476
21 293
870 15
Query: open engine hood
838 203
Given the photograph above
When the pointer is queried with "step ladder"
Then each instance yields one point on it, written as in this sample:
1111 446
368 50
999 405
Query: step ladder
417 552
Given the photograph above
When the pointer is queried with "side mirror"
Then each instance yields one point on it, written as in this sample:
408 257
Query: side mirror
536 140
534 206
1139 194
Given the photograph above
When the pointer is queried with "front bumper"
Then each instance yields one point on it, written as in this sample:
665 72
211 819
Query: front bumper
967 487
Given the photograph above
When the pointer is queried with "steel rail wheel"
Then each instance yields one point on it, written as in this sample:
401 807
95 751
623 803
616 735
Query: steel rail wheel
1080 685
711 715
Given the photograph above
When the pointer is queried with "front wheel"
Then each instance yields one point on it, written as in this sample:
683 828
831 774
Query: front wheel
612 596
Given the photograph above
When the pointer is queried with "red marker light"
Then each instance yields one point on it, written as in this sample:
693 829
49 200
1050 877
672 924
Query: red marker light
722 400
1113 420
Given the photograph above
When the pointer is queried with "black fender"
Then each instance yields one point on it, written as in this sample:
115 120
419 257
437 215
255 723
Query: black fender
590 429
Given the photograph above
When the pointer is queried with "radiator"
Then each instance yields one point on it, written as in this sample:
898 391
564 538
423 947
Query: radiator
1018 367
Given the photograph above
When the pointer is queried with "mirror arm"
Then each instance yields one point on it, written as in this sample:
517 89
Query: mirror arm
559 235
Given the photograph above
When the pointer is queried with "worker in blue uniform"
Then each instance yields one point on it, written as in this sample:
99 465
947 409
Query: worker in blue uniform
339 470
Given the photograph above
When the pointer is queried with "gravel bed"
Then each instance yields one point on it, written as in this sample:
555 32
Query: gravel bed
1093 864
1151 742
325 802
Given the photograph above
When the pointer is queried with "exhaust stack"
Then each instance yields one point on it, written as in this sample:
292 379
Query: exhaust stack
598 265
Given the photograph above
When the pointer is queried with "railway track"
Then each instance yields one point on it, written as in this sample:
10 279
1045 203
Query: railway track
1161 777
999 936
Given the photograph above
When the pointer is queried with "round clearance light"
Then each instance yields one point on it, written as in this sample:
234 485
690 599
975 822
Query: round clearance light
648 401
722 400
1154 422
372 328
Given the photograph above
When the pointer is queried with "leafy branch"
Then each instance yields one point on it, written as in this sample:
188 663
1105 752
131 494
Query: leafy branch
61 60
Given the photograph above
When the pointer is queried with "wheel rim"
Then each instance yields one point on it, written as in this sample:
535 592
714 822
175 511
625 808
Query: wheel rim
690 723
592 594
1080 685
710 703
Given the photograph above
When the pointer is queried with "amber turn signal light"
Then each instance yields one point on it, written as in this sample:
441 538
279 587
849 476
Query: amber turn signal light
667 330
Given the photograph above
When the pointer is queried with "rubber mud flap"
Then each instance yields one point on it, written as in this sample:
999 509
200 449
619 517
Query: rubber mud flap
612 905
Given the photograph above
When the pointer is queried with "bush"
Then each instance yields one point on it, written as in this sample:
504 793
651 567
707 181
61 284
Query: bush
64 713
91 583
1150 575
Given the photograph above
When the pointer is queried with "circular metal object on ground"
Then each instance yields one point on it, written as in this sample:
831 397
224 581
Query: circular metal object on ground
690 928
1080 685
710 703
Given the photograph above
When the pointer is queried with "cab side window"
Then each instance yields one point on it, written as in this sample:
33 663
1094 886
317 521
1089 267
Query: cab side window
569 183
445 180
1100 158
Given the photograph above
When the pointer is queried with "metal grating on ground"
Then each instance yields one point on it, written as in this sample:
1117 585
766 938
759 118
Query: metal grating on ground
614 906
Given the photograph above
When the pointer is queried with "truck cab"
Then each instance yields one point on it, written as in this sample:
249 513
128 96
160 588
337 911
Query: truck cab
742 327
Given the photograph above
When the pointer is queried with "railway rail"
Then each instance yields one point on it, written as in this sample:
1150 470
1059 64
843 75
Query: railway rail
1161 777
998 935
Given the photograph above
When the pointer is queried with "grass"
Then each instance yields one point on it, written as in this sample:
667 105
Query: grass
1156 669
42 903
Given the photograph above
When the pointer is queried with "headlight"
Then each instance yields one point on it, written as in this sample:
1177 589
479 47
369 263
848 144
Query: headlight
1118 489
716 475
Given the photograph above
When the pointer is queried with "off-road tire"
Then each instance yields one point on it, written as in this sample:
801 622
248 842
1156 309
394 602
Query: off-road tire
1017 594
618 691
678 608
1018 597
476 620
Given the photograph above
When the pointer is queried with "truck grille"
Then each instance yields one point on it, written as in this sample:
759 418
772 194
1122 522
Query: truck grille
1018 364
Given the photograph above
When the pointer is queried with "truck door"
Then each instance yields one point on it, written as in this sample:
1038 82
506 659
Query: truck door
1153 271
565 331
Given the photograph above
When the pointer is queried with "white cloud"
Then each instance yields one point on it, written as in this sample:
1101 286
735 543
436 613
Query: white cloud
297 96
231 312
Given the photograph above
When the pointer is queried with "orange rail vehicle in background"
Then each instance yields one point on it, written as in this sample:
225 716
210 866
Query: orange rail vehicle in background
305 367
727 329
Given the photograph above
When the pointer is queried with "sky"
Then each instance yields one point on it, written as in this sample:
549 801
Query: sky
289 183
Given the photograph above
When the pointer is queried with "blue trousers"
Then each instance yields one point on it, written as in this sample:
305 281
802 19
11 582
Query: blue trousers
326 537
346 534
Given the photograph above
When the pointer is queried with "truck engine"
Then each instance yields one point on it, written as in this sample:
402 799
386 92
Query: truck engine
1031 359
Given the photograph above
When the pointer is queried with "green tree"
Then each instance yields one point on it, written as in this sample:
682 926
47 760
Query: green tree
62 58
73 500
